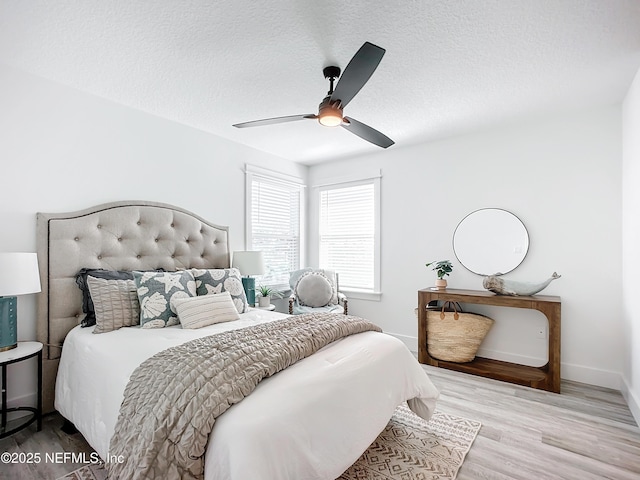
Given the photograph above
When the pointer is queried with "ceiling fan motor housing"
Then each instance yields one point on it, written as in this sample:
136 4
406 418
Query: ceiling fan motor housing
330 113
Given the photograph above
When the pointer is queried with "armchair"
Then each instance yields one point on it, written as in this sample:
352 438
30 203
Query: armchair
315 290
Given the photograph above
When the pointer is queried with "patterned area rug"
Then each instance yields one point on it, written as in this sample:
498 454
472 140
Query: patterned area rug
88 472
408 449
411 449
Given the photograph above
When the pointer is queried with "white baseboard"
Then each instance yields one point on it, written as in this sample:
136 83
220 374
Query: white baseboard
576 373
511 357
592 376
631 399
410 342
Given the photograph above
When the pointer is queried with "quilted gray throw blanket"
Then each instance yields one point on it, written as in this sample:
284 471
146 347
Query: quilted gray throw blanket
173 399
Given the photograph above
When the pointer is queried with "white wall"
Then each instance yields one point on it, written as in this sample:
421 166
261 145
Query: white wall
561 177
63 150
630 242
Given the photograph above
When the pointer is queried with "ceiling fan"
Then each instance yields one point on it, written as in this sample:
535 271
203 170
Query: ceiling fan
354 77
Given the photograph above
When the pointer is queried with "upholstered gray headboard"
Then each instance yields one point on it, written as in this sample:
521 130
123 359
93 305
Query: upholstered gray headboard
133 235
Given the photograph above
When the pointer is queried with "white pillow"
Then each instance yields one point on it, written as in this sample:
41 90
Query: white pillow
198 312
314 289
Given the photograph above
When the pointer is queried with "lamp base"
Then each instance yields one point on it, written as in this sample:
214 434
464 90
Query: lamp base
249 284
8 323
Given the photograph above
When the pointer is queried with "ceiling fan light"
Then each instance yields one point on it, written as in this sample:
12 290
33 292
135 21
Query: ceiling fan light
330 114
330 119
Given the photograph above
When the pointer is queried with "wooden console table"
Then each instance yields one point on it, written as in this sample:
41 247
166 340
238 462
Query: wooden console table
546 377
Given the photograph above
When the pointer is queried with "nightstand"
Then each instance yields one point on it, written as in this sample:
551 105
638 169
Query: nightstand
271 307
23 351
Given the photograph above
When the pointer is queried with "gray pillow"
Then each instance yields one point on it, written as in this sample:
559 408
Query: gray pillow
156 292
115 303
218 280
314 289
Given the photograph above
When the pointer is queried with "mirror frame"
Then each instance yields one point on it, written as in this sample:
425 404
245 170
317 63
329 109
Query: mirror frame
507 266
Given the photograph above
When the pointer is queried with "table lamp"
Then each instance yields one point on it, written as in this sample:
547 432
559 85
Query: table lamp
249 263
18 276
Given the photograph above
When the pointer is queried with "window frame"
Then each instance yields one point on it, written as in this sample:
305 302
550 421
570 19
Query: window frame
253 172
355 180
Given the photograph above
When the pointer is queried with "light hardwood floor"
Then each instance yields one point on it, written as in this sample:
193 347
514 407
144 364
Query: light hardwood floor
584 433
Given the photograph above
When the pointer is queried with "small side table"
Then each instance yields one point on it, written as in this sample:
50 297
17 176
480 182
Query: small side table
271 307
23 351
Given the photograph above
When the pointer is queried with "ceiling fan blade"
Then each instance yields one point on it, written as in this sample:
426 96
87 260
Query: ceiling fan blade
367 133
357 73
273 121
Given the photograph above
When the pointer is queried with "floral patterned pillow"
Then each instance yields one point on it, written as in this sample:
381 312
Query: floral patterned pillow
157 291
218 280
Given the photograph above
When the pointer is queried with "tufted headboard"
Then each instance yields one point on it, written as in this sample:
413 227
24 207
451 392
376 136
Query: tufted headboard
133 235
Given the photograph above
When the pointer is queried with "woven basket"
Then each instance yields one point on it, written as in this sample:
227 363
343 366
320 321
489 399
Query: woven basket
455 336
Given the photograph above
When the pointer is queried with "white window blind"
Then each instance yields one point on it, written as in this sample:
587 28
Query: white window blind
274 224
349 233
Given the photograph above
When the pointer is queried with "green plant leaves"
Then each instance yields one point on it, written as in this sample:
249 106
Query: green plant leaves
442 267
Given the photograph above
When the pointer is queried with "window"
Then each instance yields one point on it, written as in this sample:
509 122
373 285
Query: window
349 233
274 223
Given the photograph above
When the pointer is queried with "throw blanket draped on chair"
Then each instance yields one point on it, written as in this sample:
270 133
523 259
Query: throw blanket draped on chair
173 398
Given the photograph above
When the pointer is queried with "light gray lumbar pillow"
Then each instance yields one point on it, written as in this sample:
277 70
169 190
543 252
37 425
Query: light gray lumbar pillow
314 290
198 312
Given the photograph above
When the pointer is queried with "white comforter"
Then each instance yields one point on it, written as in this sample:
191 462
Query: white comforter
310 421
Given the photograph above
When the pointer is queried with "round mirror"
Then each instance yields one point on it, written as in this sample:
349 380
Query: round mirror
490 241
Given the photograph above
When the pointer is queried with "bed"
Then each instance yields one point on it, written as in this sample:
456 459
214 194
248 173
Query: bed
309 421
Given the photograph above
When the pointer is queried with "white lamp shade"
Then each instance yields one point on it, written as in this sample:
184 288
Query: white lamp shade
249 262
19 274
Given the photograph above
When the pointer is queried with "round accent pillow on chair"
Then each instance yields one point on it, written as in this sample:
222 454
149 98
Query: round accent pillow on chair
314 289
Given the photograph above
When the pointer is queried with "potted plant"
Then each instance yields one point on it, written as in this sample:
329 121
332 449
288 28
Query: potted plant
265 293
442 269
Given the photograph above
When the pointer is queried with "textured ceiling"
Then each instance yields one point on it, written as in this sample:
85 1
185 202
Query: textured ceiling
450 67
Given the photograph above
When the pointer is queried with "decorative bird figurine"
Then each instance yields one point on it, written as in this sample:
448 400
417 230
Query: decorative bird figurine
503 286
